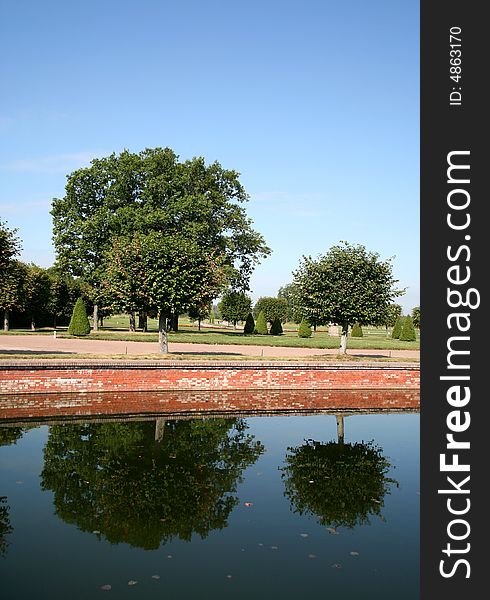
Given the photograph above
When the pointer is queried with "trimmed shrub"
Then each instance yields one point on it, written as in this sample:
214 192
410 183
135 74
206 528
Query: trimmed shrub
249 325
408 330
304 329
276 327
261 324
79 323
397 328
356 330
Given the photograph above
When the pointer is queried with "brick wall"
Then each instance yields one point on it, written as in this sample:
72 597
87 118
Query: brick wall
31 378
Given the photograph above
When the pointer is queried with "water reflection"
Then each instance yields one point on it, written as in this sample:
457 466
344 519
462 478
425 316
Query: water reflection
341 484
147 483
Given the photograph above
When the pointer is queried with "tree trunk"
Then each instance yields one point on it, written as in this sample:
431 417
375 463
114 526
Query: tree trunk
54 322
159 429
163 327
6 320
132 322
142 321
33 324
340 428
174 319
314 326
343 338
96 318
199 324
101 320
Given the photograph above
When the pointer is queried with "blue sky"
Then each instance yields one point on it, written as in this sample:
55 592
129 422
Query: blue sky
316 104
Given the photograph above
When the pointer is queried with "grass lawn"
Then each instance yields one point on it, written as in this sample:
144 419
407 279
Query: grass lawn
116 328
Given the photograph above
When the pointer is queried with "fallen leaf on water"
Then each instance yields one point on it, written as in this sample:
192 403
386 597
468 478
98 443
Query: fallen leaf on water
354 553
106 587
132 582
336 566
169 556
96 531
155 576
311 555
19 482
332 530
248 504
229 576
311 481
274 547
303 535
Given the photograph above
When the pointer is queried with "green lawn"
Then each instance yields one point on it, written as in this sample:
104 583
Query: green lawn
116 328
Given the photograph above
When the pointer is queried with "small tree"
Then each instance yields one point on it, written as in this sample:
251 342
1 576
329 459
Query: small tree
356 330
249 325
235 306
408 331
304 330
273 308
397 328
276 327
261 324
79 323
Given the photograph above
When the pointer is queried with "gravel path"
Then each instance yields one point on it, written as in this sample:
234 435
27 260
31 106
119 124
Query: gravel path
37 345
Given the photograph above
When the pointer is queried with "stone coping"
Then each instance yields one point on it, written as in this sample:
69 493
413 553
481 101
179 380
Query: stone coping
56 364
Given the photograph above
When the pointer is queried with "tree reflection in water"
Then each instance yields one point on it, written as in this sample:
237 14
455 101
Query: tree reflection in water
8 436
146 483
342 484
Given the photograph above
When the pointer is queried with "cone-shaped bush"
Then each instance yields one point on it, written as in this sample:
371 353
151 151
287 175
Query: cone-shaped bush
397 328
356 330
261 324
408 330
304 329
276 327
79 323
249 324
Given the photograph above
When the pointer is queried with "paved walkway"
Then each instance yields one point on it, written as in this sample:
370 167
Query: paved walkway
37 345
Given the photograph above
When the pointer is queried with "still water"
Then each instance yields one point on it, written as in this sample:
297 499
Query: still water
214 508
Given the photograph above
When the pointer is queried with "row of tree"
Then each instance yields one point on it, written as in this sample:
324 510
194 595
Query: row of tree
146 233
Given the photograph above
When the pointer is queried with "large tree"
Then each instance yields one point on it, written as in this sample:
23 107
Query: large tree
152 191
13 290
9 245
346 285
156 272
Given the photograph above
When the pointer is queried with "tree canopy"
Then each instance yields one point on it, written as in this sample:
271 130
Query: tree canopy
346 285
152 191
234 306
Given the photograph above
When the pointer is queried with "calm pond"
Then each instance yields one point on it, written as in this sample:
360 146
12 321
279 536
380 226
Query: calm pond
215 508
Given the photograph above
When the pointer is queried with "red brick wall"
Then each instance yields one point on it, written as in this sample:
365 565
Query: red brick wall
21 407
98 377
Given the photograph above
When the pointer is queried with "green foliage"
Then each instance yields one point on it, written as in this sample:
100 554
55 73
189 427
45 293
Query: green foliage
79 323
341 484
273 308
249 325
37 293
137 487
290 293
5 526
9 246
304 329
397 328
152 191
165 274
346 285
234 306
261 324
393 311
416 317
276 327
356 330
408 331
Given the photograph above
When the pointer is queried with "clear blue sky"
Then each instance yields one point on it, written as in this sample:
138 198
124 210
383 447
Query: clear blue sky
315 103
